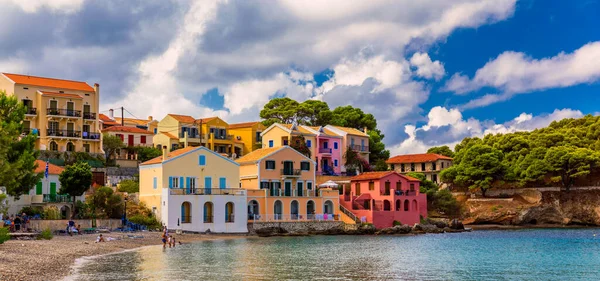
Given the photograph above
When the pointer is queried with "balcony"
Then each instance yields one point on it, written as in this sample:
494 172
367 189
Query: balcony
56 198
361 148
64 112
208 191
291 172
31 111
405 193
63 133
90 136
221 137
89 115
325 150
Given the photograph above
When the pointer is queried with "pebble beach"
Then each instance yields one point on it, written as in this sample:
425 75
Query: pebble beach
53 259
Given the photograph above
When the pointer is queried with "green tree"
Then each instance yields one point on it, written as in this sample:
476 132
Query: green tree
145 153
17 151
110 144
440 200
129 186
380 165
106 203
75 180
441 150
314 113
3 204
569 163
279 110
299 144
4 235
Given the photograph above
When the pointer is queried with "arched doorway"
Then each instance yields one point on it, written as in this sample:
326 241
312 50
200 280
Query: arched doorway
208 212
415 205
310 209
406 205
70 147
328 207
229 212
278 210
398 205
53 146
253 210
65 212
387 206
294 210
186 210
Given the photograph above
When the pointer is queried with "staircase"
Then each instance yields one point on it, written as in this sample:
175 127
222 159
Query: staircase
349 214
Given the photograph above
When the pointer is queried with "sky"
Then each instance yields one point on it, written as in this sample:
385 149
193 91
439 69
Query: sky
432 72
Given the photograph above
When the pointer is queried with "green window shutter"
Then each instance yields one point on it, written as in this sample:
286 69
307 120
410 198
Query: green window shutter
53 188
38 188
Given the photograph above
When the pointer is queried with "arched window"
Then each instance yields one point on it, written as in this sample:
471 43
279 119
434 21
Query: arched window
328 207
229 212
294 210
310 209
186 210
70 147
398 205
53 146
406 205
253 210
387 206
278 210
208 212
415 205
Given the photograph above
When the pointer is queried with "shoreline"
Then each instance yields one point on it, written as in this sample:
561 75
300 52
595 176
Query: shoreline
531 226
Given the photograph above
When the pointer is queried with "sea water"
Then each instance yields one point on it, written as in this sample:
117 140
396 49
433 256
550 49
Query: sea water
531 254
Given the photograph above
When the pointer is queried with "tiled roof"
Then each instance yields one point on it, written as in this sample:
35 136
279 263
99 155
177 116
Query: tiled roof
326 131
126 129
183 118
258 154
242 125
379 175
417 158
106 120
351 131
49 82
52 169
207 119
299 129
60 95
169 135
170 155
140 122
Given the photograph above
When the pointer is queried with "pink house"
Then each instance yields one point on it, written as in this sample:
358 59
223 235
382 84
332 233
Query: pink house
381 198
328 151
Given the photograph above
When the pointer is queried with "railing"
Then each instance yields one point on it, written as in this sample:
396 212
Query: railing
324 150
90 136
349 214
63 133
229 217
191 136
221 137
89 115
31 111
64 112
208 219
360 147
292 193
57 198
405 193
207 191
291 172
292 217
186 219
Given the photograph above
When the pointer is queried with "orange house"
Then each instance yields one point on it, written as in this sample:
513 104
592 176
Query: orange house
281 186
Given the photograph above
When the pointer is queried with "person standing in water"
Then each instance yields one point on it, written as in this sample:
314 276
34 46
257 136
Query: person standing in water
164 240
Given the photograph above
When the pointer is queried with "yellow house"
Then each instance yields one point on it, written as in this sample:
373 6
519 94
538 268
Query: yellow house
63 113
194 189
249 134
278 135
281 186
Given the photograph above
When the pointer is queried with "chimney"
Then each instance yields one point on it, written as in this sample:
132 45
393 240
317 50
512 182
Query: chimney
164 149
365 130
150 118
111 114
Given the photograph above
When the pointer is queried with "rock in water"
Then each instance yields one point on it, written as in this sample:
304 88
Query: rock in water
457 225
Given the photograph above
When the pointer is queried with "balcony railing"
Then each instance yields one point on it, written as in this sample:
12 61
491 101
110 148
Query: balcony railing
90 136
207 191
292 193
405 193
63 133
56 198
208 219
89 115
324 150
293 217
64 112
362 148
291 172
191 136
221 137
31 111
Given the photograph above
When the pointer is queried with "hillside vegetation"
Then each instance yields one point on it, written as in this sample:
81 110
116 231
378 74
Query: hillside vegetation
566 153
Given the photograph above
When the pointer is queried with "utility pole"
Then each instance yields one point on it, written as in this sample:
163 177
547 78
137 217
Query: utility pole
122 117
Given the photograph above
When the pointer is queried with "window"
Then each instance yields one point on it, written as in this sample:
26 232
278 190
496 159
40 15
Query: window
401 167
53 146
412 167
86 147
335 145
173 182
305 166
412 187
335 162
155 183
38 188
325 145
388 185
285 142
434 178
270 143
308 143
229 212
392 166
398 185
155 130
186 210
433 166
357 188
309 185
442 165
264 185
208 212
258 137
202 160
70 147
371 185
222 183
270 164
143 139
422 166
352 142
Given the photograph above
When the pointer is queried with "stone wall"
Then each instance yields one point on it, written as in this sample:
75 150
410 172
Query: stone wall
298 227
39 225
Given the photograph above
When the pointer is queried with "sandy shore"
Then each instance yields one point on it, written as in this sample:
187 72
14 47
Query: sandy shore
53 259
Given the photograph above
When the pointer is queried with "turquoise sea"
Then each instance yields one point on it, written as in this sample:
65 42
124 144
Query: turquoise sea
534 254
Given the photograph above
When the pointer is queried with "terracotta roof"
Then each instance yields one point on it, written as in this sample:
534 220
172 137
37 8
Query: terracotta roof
379 175
169 135
106 120
170 155
60 95
242 125
258 154
417 158
325 131
300 129
351 131
52 169
207 119
127 130
183 118
49 82
140 122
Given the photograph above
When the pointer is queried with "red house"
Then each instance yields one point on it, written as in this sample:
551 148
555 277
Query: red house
381 198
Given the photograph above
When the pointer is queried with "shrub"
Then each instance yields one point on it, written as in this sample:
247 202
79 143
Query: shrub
52 213
46 234
149 221
129 186
4 234
31 211
397 223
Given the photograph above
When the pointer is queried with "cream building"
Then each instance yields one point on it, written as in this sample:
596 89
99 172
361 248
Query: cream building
63 113
430 164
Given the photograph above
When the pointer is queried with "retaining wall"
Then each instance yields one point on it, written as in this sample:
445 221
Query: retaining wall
39 225
294 227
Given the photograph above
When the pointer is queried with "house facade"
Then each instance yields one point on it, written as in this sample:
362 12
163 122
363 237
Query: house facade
353 139
381 198
281 186
328 151
45 193
249 134
62 113
132 137
194 189
430 164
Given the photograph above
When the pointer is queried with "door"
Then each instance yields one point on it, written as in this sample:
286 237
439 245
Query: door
86 111
208 184
53 128
52 191
70 132
70 109
53 108
288 188
288 168
38 188
26 126
299 189
130 140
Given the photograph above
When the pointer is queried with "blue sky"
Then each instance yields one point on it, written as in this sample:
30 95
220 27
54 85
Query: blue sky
431 71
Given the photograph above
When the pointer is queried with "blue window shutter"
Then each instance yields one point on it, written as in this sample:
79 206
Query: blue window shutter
155 130
202 160
271 143
155 183
308 143
335 145
222 182
170 182
335 162
187 182
180 182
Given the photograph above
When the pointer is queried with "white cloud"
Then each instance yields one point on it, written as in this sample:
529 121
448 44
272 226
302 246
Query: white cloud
427 68
514 73
32 6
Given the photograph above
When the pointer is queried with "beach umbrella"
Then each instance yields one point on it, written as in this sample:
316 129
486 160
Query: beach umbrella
329 183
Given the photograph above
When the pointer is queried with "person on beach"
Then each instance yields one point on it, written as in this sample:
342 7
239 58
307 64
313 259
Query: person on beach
173 241
169 240
100 239
164 240
78 229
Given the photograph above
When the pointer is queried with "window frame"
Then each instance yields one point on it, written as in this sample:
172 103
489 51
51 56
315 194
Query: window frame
267 165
